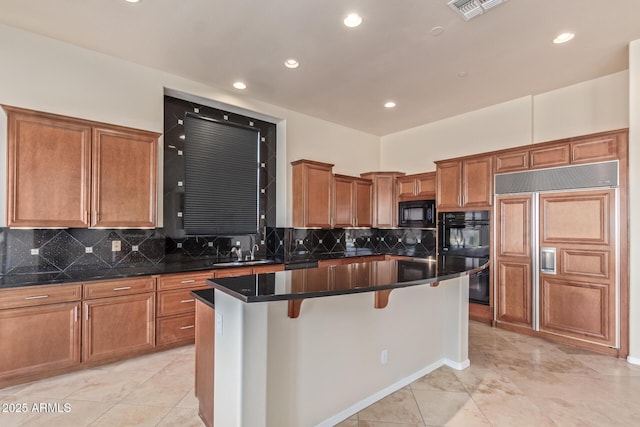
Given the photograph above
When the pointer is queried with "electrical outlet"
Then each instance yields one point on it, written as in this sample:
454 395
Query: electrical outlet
384 357
218 323
116 246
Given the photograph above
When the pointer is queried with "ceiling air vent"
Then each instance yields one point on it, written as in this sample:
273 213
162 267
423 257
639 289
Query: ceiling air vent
471 8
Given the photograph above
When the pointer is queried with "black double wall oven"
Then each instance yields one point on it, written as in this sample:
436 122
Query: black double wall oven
465 235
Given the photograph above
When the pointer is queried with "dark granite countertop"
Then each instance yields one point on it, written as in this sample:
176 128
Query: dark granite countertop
299 284
205 296
175 266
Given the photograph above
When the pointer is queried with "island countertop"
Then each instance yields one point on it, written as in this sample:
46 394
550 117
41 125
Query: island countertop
346 279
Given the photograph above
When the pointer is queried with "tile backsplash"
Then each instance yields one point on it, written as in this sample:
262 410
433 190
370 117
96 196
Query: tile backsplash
27 251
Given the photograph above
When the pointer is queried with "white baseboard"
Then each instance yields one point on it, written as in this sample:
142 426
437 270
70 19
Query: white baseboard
367 401
633 360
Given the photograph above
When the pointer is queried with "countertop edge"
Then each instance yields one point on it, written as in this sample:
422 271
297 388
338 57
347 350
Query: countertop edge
320 294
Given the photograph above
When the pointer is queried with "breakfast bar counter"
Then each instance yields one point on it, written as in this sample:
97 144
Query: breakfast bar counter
364 331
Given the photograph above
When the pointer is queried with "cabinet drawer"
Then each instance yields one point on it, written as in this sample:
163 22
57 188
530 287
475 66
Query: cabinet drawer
39 295
234 272
175 302
111 288
183 280
175 329
268 268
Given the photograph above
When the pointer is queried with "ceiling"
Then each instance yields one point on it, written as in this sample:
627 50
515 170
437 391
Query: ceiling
347 74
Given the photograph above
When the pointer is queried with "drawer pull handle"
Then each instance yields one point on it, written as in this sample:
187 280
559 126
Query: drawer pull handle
187 300
37 297
188 281
124 288
187 327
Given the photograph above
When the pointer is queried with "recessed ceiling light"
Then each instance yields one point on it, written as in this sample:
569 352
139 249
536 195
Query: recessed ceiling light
291 63
239 85
132 1
563 38
437 31
352 20
389 104
462 74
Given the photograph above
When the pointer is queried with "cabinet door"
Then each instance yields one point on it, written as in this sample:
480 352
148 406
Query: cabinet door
124 178
426 185
512 161
312 187
514 260
48 176
39 339
118 327
344 198
545 157
385 203
406 187
205 353
477 181
364 192
449 184
597 149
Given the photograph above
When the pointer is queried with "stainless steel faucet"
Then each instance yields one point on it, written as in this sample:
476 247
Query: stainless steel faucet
237 252
253 254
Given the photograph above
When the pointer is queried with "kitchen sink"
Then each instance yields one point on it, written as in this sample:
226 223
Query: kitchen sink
242 263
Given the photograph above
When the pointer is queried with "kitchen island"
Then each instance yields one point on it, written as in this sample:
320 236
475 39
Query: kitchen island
314 346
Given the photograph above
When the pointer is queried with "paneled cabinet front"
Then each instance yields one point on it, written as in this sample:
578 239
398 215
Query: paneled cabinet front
351 202
417 187
175 307
312 193
117 326
39 331
464 183
67 172
385 198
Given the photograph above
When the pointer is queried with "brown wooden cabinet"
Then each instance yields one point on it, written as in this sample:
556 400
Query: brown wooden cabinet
175 307
39 331
514 260
68 172
312 193
593 148
118 326
205 318
464 183
417 186
351 201
385 199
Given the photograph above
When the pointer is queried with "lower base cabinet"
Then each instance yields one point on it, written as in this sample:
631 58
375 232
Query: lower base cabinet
118 327
175 329
37 340
205 352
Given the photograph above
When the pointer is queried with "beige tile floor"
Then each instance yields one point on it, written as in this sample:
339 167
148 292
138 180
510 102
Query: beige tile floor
514 380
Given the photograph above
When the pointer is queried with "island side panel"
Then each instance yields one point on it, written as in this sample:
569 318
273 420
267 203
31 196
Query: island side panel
456 336
240 362
327 363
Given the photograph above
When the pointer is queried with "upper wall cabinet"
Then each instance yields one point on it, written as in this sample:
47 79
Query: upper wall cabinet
385 197
312 193
420 186
352 201
464 183
67 172
593 148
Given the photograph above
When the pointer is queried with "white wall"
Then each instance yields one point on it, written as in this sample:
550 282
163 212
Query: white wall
588 107
48 75
278 371
634 200
492 128
593 106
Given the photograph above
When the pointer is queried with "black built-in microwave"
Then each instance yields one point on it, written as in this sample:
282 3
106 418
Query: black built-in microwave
417 214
